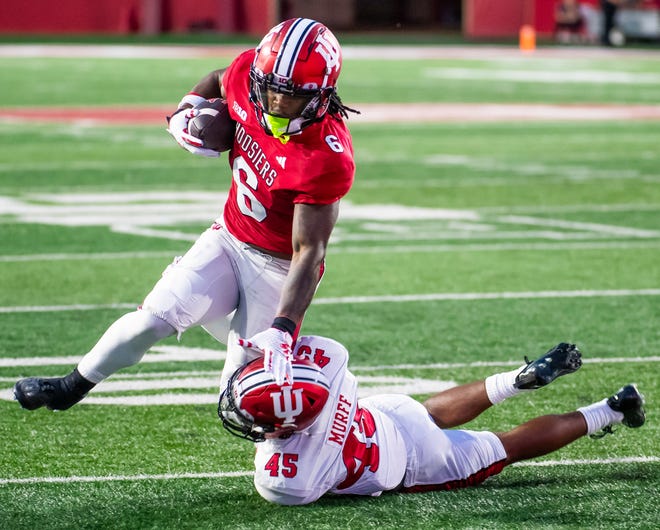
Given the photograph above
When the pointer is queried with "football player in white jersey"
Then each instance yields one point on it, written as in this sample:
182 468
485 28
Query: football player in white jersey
315 436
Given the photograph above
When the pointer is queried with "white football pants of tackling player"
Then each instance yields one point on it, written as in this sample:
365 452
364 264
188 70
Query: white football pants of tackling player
219 276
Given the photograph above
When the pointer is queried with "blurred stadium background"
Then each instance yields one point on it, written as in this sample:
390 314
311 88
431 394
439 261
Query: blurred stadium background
470 19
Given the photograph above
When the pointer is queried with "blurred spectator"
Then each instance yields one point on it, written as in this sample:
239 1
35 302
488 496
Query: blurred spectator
609 8
593 20
569 22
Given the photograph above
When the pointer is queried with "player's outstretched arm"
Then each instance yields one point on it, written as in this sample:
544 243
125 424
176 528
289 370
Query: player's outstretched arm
312 226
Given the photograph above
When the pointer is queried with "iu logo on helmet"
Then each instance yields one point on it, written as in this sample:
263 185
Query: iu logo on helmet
329 52
287 404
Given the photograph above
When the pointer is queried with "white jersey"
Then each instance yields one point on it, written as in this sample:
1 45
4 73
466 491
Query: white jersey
378 444
339 452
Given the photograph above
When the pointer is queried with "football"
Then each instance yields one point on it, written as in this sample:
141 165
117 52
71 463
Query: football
213 125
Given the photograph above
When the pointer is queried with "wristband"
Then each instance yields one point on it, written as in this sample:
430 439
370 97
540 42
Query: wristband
284 324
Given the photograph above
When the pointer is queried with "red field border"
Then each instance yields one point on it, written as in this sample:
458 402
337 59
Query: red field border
371 113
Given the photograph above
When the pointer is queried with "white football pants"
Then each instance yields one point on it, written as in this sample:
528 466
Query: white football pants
218 279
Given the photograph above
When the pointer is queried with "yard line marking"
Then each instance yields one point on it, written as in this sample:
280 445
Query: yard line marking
494 53
496 247
203 354
105 392
569 208
74 307
595 227
538 76
479 364
118 478
186 354
433 297
466 235
485 296
156 354
389 249
88 256
588 461
92 165
235 474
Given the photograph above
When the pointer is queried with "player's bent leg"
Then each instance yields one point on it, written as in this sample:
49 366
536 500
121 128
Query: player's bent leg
458 405
629 402
561 360
546 434
58 393
122 345
262 278
542 435
625 407
463 403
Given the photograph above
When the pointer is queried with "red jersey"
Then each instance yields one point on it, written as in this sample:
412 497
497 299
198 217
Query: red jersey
269 177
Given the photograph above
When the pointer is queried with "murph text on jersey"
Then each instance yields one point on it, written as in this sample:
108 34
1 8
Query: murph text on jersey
251 150
339 428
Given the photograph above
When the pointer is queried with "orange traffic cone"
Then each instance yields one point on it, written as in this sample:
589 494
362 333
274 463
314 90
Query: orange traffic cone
527 38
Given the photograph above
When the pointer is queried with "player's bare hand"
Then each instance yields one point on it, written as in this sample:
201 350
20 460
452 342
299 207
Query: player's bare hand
275 345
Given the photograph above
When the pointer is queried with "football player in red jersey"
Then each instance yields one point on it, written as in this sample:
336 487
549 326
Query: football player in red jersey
316 436
253 274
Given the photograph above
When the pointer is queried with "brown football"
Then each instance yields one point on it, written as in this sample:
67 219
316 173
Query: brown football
213 125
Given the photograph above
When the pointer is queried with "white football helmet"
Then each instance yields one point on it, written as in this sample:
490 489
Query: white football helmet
253 405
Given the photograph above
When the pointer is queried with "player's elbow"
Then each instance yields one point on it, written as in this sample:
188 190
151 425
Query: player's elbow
309 252
285 498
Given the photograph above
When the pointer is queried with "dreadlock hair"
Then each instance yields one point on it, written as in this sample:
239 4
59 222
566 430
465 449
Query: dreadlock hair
337 109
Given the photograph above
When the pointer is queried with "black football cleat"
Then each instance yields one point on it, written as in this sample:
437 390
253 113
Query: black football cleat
562 359
630 402
57 393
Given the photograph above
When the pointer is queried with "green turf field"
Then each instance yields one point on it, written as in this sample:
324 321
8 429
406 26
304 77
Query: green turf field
461 248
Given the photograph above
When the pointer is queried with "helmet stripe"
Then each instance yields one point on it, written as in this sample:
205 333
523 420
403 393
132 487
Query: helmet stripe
301 373
288 53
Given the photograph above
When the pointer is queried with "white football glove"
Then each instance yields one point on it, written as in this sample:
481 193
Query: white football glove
178 128
275 344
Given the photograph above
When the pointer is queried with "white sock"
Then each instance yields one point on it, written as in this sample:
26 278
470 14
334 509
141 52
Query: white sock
500 386
123 344
599 415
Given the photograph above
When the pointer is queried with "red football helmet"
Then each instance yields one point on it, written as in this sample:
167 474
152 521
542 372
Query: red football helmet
253 405
301 58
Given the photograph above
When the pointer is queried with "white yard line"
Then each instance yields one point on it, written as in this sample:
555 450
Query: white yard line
234 474
102 256
500 112
205 383
561 77
496 247
388 248
431 297
379 52
156 354
56 308
204 378
573 225
120 478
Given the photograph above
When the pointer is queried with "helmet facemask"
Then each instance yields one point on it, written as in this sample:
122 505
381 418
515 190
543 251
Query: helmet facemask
255 408
235 421
317 101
